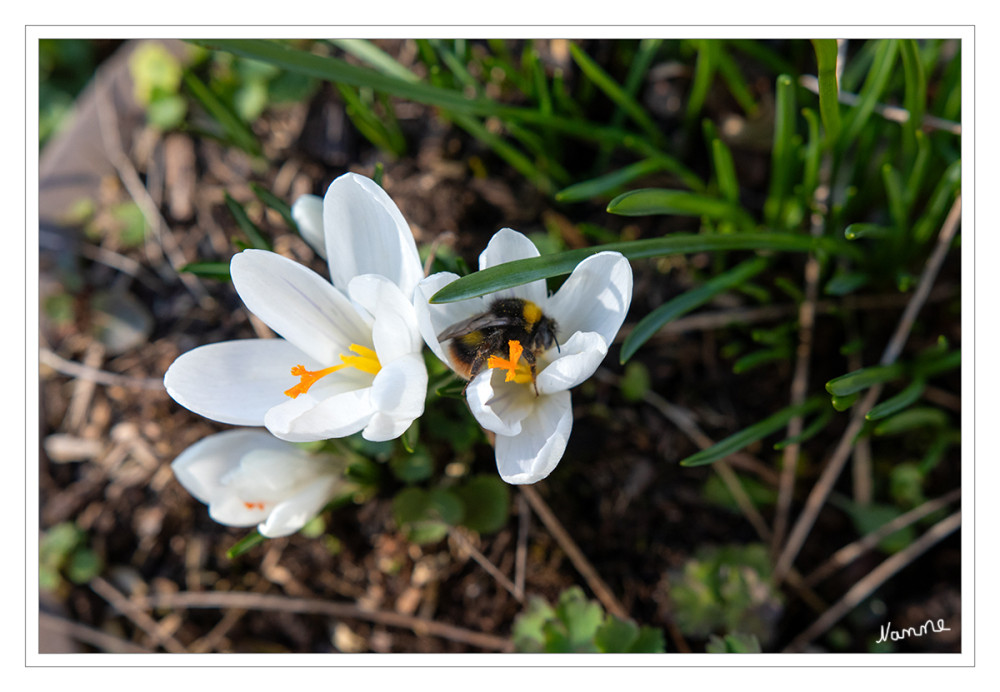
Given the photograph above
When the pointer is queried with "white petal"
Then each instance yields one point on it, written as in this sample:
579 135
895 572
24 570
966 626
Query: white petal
291 515
575 361
534 453
508 245
298 304
308 420
233 510
307 212
398 395
274 474
497 405
201 467
434 318
595 297
235 382
394 331
366 234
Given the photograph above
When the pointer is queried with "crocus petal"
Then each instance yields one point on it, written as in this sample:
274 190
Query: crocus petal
307 212
394 331
233 510
595 297
397 395
308 420
298 304
201 467
434 318
508 245
235 382
291 515
366 234
497 405
532 455
575 361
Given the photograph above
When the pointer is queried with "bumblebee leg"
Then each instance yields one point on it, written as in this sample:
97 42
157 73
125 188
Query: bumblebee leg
477 366
530 357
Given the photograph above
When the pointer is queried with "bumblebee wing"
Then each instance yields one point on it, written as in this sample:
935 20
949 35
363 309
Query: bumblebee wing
474 323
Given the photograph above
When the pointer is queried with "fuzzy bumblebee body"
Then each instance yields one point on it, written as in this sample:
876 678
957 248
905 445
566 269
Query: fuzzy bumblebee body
474 340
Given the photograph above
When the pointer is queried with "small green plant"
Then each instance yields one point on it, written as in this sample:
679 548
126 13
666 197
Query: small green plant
576 625
726 589
63 554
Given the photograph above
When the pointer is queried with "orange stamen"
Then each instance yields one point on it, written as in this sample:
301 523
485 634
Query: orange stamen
366 360
254 505
509 365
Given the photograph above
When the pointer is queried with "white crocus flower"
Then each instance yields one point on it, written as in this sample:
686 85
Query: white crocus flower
532 427
249 477
350 359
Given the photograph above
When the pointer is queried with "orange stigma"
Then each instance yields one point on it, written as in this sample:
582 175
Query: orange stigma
366 360
510 365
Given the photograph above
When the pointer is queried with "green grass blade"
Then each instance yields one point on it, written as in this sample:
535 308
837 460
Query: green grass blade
915 88
897 403
734 79
863 379
783 151
212 270
871 90
725 172
649 201
614 91
829 106
610 182
249 228
524 271
811 430
234 129
755 432
276 203
704 71
688 301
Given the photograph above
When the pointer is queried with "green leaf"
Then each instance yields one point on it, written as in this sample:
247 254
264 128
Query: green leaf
635 381
650 641
249 228
783 152
649 201
684 303
84 565
610 182
528 631
616 636
735 643
749 435
487 503
581 617
867 518
922 418
524 271
414 467
274 202
213 270
810 431
244 544
864 378
866 230
829 106
235 130
897 403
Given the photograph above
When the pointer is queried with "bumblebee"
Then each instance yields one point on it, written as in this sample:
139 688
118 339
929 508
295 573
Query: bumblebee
511 325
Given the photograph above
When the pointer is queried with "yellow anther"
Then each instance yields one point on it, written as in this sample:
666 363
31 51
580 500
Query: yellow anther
366 360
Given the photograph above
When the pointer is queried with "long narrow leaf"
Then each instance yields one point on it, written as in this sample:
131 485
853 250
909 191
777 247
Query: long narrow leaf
749 435
234 129
249 228
524 271
864 378
829 106
677 203
898 402
684 303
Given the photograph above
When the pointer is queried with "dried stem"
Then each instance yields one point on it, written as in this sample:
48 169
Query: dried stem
314 606
521 554
89 635
875 579
854 550
576 556
820 492
141 619
83 372
485 563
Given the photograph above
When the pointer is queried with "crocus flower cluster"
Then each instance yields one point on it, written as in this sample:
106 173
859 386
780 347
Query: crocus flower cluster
350 360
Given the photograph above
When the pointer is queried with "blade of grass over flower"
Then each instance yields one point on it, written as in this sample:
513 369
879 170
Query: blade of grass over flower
677 203
248 227
524 271
684 303
610 182
829 106
755 432
234 129
614 91
863 379
898 402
